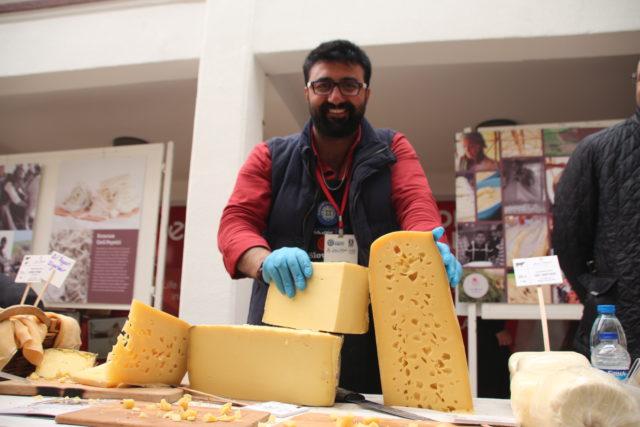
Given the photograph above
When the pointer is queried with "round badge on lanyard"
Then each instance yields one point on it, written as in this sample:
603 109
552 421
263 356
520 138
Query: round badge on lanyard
327 214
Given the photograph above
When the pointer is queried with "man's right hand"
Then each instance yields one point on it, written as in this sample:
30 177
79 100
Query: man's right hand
288 268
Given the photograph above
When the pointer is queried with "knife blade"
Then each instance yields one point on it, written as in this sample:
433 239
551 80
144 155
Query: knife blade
343 395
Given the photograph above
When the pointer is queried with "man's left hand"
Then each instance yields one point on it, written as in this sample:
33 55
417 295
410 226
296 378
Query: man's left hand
451 264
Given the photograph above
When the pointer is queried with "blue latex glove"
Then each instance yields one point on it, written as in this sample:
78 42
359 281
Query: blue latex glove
288 268
451 264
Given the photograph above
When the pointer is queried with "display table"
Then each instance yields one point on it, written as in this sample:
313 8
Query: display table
496 407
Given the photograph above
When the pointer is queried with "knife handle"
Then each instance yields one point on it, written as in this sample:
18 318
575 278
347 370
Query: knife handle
344 395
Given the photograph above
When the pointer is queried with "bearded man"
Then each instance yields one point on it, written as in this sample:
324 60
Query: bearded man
339 178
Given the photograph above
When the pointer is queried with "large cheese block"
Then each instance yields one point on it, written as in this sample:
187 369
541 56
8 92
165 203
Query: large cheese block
151 349
61 362
420 349
265 363
336 300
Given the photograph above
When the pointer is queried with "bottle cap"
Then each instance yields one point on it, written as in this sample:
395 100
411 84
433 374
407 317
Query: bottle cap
606 309
608 335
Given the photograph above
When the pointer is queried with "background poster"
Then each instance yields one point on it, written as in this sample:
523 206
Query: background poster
505 187
96 222
19 190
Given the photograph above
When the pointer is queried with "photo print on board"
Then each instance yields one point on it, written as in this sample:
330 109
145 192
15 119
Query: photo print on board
523 186
520 143
526 236
476 151
488 197
481 245
482 285
465 198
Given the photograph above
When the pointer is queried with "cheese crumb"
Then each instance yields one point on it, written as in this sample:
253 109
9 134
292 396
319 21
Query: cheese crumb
164 405
188 414
226 409
209 418
128 403
38 397
290 423
143 415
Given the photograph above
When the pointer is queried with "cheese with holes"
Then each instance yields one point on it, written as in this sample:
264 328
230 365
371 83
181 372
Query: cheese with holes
336 300
265 363
152 348
420 348
95 376
61 362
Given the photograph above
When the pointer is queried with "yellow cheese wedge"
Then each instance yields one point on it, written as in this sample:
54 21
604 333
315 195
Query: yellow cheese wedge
265 363
96 376
420 348
336 300
152 348
60 362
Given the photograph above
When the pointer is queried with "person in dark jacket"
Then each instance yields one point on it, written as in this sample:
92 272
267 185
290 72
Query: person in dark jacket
338 178
597 226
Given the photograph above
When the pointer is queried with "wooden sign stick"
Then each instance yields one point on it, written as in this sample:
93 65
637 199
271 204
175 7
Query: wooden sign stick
543 319
26 292
44 288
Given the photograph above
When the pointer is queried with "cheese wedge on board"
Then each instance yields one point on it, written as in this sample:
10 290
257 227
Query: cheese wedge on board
265 363
151 349
336 299
95 376
61 362
420 349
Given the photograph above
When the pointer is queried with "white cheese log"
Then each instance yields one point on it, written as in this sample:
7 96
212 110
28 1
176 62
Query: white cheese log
553 389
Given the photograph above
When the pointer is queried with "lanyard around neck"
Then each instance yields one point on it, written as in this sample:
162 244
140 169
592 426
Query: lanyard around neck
345 195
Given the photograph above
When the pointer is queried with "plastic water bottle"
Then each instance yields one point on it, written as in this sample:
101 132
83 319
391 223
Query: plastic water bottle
609 343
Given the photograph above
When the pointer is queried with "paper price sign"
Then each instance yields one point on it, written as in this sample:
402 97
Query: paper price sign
60 266
536 271
32 269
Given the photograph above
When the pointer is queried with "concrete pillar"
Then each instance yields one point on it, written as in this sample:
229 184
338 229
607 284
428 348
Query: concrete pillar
228 123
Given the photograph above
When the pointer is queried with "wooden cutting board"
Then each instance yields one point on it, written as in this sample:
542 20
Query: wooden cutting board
312 419
52 388
114 415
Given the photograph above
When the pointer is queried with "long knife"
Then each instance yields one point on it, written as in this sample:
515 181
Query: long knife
347 396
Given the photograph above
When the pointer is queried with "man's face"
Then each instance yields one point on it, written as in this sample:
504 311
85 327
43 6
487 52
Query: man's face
481 238
335 115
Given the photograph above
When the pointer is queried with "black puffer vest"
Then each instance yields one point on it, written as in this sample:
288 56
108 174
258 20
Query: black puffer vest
294 200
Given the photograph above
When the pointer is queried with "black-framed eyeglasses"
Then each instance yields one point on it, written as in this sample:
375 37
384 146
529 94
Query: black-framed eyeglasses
347 87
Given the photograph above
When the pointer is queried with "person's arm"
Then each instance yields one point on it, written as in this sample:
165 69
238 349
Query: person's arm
244 218
411 195
414 204
575 215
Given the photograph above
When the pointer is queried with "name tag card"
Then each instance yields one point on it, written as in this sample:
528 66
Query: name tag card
60 265
340 248
537 271
32 269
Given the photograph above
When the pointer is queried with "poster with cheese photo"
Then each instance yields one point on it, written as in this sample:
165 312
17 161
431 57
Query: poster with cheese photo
19 192
526 236
96 220
521 142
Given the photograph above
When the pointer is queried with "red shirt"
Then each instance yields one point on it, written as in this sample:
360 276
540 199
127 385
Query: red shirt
245 216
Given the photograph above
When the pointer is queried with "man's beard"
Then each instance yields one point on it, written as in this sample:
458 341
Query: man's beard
337 128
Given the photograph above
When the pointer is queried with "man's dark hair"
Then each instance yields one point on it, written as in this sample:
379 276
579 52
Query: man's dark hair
338 51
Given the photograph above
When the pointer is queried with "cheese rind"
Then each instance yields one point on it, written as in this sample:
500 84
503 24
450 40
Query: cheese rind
265 363
151 349
420 349
60 362
336 299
